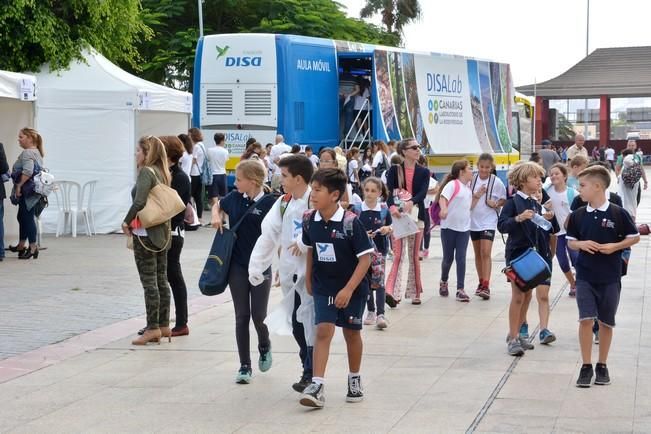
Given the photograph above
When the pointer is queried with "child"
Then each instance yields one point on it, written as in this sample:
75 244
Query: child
249 301
455 200
282 228
561 197
577 164
335 274
600 231
489 194
524 234
376 219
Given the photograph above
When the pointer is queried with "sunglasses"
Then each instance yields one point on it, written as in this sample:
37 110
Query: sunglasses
413 147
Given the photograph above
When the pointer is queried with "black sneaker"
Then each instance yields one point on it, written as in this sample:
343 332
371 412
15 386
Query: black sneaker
355 393
305 381
392 302
585 376
313 396
601 375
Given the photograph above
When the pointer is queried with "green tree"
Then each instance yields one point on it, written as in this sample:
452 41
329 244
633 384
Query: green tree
169 55
395 13
34 32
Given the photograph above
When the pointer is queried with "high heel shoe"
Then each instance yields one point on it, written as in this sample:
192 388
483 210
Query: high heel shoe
15 249
166 332
148 336
27 253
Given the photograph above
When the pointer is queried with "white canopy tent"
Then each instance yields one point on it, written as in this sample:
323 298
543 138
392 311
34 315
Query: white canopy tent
90 117
17 95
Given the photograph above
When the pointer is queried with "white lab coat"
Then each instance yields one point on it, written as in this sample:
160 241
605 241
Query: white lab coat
281 232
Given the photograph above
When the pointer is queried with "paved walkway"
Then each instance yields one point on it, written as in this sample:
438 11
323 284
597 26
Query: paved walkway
440 367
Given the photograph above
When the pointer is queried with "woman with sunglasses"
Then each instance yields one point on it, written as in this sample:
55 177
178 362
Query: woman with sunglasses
407 184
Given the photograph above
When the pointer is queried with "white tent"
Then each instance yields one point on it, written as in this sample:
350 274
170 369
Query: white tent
90 117
17 95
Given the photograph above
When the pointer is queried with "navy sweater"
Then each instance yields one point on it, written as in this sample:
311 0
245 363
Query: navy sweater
525 234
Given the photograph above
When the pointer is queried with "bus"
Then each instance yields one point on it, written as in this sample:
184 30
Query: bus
260 85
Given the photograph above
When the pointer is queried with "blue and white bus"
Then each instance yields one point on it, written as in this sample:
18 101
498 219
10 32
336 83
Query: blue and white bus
260 85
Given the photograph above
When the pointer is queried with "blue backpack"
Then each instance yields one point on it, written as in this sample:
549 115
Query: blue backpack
206 171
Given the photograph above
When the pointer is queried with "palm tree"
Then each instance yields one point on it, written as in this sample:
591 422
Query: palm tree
395 13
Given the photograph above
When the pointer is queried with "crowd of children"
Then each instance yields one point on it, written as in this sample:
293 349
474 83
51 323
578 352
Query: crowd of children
333 251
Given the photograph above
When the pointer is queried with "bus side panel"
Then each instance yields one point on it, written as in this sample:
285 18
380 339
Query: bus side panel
308 85
196 84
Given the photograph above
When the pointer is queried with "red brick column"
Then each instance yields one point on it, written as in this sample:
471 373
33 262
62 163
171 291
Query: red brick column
604 120
541 119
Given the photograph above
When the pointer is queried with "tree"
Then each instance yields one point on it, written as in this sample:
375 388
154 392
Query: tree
34 32
395 13
169 55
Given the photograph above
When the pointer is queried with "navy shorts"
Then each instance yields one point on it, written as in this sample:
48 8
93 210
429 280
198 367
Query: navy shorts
598 301
349 317
218 187
482 235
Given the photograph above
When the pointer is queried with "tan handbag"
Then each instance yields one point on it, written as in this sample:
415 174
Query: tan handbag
163 203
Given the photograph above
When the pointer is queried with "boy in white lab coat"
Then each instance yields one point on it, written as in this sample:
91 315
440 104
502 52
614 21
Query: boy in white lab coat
282 227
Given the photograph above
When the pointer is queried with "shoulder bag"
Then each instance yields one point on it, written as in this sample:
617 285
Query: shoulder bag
214 277
163 203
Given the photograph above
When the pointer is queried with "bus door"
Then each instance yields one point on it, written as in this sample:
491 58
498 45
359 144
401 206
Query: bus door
355 103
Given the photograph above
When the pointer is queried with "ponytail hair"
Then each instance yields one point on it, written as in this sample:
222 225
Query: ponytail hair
36 138
457 167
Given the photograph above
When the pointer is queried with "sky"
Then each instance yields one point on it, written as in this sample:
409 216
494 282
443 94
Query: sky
539 39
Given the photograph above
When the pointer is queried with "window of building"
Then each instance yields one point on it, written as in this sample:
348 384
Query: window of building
568 117
630 117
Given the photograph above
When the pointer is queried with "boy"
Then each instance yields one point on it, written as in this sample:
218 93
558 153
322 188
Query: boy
599 231
577 164
282 227
335 275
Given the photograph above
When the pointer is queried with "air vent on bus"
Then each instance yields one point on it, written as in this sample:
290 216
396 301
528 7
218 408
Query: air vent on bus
257 102
219 102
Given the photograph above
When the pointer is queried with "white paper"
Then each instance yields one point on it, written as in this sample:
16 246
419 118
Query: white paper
404 226
27 89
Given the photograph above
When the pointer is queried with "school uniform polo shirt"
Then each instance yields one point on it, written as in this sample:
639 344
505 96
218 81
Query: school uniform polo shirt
599 225
235 204
371 219
335 252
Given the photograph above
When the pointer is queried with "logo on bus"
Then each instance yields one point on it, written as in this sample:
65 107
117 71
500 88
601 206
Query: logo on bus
243 61
222 51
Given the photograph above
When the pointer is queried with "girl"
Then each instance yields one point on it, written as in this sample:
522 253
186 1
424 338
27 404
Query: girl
407 180
380 161
375 217
561 197
250 302
352 164
365 170
198 156
455 200
488 195
150 245
515 220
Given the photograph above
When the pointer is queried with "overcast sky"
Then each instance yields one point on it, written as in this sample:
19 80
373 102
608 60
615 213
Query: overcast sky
541 39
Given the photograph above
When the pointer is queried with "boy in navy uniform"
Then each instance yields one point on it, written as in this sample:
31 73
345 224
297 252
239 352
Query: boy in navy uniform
599 231
336 276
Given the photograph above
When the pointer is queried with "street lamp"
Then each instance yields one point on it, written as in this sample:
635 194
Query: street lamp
200 8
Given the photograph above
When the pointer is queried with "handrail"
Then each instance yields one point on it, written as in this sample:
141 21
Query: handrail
367 104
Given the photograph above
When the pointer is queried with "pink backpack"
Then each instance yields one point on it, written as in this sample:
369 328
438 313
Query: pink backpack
435 209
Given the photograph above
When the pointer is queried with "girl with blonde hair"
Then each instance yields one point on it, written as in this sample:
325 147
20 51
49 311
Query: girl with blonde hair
249 203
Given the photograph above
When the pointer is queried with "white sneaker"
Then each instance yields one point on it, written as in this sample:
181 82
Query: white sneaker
370 318
381 322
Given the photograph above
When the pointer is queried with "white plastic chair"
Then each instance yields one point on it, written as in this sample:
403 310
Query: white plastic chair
68 200
86 206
